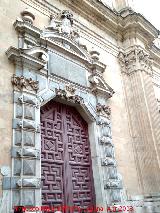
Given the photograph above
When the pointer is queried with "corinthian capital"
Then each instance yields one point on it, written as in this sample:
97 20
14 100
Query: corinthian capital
136 59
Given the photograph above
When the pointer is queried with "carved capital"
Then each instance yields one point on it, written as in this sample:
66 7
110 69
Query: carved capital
135 60
22 82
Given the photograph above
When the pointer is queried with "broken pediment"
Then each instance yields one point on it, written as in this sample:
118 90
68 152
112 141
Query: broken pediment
59 51
99 86
62 32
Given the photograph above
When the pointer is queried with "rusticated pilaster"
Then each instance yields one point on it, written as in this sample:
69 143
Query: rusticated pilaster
112 180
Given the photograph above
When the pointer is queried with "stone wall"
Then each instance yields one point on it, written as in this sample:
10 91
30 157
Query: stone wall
93 36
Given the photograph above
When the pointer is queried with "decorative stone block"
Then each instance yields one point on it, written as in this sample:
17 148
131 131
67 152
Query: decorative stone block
115 195
25 152
16 182
29 167
112 171
17 124
28 198
105 140
108 162
113 184
18 138
9 183
5 170
29 112
29 182
17 166
29 124
109 151
16 197
28 152
19 111
28 138
30 100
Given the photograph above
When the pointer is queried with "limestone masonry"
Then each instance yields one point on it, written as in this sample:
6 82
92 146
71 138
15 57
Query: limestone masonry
79 105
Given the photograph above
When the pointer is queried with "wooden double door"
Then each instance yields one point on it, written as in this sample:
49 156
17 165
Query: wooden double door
66 170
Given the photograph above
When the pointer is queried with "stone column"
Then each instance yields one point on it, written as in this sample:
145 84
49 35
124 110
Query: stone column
136 67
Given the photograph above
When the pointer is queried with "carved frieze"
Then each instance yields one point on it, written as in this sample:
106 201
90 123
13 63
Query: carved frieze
22 82
69 96
135 60
103 110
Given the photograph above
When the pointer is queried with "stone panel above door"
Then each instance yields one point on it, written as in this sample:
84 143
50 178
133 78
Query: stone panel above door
67 69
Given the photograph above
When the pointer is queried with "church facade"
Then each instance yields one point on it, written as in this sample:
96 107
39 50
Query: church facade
80 107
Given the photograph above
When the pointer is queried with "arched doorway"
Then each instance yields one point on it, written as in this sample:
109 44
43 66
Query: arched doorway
66 167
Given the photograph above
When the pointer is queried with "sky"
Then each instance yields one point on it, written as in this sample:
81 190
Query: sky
150 9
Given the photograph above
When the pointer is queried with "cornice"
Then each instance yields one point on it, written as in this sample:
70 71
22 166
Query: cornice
115 24
155 54
136 23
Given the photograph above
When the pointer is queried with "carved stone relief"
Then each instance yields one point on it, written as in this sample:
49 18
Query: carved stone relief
134 60
69 96
22 82
28 97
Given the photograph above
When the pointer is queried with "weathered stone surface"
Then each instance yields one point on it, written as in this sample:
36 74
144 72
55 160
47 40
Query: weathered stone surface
29 167
28 198
28 138
29 112
16 197
17 167
67 69
18 138
134 118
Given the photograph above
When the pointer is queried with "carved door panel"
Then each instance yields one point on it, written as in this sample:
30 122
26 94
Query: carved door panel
67 178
